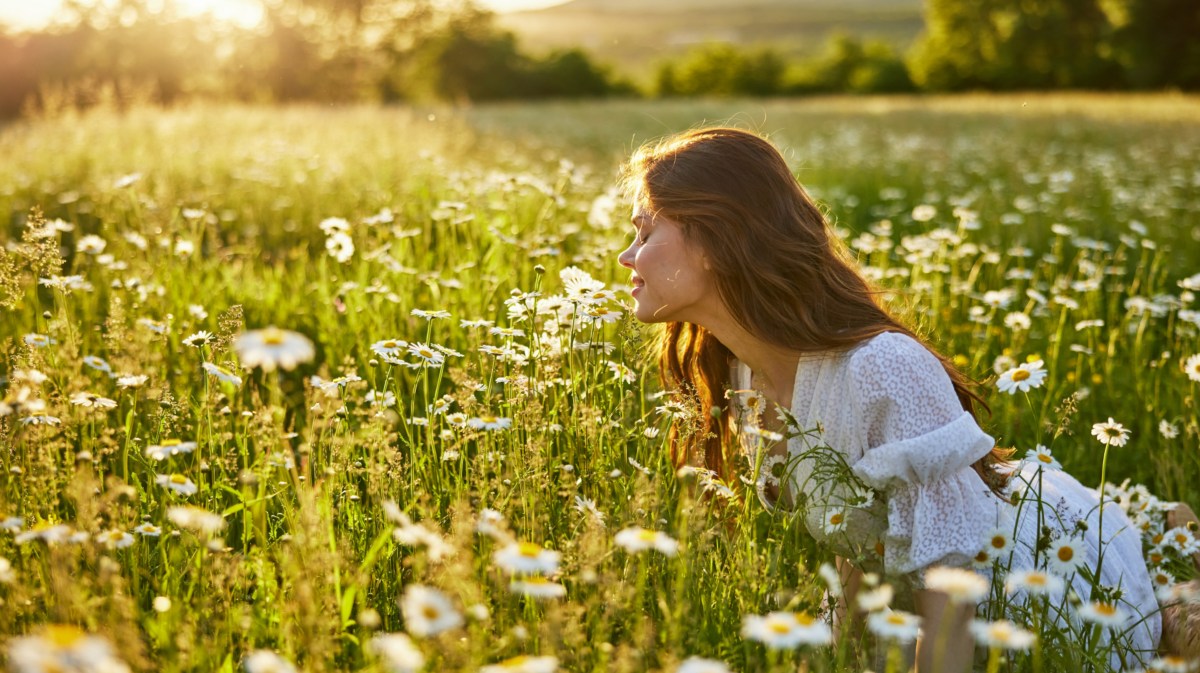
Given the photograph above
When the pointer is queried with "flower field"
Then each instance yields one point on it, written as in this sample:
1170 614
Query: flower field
358 389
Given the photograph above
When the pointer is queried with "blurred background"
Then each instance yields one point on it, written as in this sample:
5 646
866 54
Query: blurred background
58 54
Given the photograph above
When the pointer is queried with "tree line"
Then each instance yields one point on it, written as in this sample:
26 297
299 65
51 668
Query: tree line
412 50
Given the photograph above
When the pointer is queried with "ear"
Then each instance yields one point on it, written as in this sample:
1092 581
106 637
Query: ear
706 262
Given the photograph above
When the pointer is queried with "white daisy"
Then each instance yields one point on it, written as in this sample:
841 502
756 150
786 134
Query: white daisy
169 447
1191 367
1040 456
1033 582
1110 433
178 483
895 625
389 348
1065 556
266 661
489 422
221 373
196 519
537 586
785 630
702 665
636 539
1024 377
272 347
962 586
1001 635
523 664
427 611
397 652
1104 614
198 339
527 557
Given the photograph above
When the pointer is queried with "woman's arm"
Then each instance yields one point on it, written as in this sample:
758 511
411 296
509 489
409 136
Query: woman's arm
945 645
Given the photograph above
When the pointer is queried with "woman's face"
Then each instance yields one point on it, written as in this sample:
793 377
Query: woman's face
671 280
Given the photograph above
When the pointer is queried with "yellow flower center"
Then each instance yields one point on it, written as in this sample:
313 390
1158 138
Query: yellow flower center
999 541
1036 580
982 556
1045 458
430 612
178 479
1181 539
515 662
895 619
804 620
488 419
648 536
425 352
64 635
780 627
529 549
390 344
836 519
1020 375
1106 609
171 442
1065 554
1157 539
272 336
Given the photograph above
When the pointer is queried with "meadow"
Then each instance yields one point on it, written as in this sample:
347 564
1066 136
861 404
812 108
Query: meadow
315 388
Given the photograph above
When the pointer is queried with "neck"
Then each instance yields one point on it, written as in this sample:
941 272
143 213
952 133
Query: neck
774 367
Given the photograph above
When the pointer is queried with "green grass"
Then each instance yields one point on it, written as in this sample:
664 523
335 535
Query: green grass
488 205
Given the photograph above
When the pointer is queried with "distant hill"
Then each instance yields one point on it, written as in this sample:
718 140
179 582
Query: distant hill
634 34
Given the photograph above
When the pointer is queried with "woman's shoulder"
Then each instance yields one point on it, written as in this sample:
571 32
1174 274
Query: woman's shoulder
886 348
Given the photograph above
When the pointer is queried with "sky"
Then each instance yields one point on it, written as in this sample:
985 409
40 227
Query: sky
24 14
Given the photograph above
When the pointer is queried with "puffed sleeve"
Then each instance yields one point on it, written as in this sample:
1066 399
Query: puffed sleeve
920 445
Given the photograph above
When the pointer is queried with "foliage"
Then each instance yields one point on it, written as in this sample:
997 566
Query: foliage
161 225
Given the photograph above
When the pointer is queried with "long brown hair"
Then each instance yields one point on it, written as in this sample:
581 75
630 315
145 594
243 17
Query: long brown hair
776 266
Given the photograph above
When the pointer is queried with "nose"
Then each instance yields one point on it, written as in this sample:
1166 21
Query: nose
627 256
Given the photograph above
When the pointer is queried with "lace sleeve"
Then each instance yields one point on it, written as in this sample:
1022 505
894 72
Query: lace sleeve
920 447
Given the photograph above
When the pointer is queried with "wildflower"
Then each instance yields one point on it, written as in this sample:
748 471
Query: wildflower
266 661
588 506
7 575
39 340
1182 540
895 625
782 630
998 541
196 519
835 520
132 380
1022 378
1110 433
398 652
156 326
40 420
924 213
527 557
427 611
340 246
389 348
114 539
1001 635
98 364
91 245
1033 582
45 531
1191 367
177 482
832 579
537 586
636 539
1173 664
427 353
1161 580
92 401
876 599
1167 429
168 448
962 586
1064 557
491 523
457 419
489 422
429 315
198 339
1040 456
1104 614
148 529
523 664
126 180
221 374
61 647
273 347
1018 322
332 225
702 665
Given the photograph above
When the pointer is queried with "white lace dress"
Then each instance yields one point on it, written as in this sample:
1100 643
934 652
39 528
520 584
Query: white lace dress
887 413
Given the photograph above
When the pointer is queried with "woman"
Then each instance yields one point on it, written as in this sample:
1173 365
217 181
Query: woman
757 295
